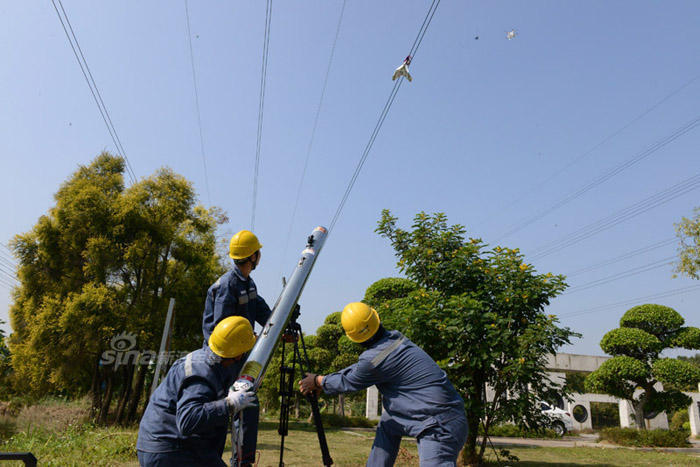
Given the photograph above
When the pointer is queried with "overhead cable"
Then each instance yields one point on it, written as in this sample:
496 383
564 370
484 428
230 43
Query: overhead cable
10 277
634 301
622 275
196 103
261 108
692 124
617 259
10 272
313 131
602 142
94 90
385 111
618 217
7 260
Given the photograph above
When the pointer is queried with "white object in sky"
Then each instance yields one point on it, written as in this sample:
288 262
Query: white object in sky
511 34
403 70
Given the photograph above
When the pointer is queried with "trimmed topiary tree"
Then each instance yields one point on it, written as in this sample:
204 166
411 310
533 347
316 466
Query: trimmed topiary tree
644 332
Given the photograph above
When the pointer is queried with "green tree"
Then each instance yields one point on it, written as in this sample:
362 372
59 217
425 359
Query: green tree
104 261
695 359
383 291
645 331
688 232
5 365
479 313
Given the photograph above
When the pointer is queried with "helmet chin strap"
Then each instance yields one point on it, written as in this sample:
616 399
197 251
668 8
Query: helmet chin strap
257 260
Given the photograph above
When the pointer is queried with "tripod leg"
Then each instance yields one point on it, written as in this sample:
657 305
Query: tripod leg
286 392
313 401
325 453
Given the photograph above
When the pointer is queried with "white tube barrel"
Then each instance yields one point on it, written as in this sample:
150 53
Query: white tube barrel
255 365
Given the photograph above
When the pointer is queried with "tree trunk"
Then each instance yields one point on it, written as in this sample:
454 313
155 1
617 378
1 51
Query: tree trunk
136 393
470 454
107 401
296 404
126 392
341 404
639 414
95 391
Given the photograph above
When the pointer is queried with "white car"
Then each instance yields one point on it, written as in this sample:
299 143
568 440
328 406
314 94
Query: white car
561 420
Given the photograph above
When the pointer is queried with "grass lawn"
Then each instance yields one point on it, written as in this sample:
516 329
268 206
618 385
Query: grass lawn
84 444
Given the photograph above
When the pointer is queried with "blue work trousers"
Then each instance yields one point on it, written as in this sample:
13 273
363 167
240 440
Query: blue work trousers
250 417
180 458
438 446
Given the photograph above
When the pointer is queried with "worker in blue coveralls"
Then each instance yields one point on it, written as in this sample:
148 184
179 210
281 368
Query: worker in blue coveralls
186 420
235 294
418 399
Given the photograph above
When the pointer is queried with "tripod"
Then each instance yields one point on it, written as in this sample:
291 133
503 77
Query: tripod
293 335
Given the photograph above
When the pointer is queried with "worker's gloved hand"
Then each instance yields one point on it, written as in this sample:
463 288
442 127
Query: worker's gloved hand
241 399
308 384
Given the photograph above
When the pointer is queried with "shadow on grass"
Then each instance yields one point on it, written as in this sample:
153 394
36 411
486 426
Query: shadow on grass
7 428
293 426
546 464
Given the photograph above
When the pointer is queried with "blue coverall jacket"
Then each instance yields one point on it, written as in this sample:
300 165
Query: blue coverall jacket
234 295
186 420
417 397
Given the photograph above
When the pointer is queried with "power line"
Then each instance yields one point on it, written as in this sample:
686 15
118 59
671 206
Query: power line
634 301
622 275
605 177
313 130
6 263
620 216
94 90
9 287
196 102
607 138
8 275
622 257
261 108
7 258
385 111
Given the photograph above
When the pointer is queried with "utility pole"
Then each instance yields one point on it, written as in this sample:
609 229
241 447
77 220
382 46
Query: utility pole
164 343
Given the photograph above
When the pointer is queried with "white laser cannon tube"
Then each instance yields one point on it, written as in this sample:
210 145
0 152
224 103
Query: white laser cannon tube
255 365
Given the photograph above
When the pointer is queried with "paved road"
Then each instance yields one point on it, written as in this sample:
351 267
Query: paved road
581 441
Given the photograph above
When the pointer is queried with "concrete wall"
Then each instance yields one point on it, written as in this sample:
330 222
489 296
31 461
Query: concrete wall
372 406
694 412
574 362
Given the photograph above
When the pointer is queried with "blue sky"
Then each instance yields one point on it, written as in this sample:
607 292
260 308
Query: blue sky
482 123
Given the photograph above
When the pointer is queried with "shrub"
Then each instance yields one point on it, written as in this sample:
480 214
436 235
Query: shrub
680 421
648 438
335 420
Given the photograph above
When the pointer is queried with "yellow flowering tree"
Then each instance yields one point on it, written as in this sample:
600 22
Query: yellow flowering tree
479 313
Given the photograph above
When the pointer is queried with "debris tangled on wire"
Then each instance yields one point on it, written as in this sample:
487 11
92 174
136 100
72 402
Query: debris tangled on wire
403 70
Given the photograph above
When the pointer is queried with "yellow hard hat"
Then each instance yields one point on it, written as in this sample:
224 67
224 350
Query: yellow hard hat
233 336
359 321
243 244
